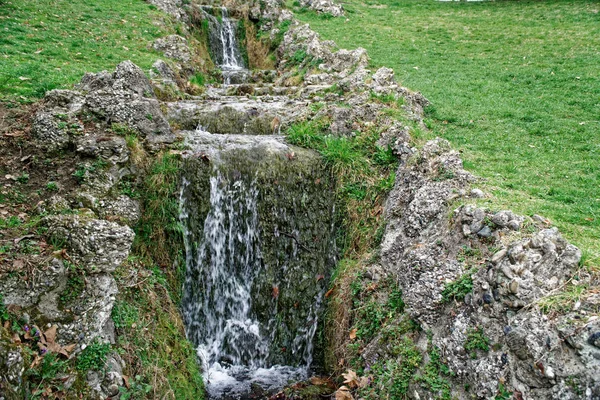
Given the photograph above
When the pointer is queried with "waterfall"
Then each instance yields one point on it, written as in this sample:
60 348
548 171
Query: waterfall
224 45
258 238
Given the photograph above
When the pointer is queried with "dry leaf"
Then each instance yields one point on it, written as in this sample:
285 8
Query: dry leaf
343 393
126 380
353 334
329 292
275 292
315 380
351 378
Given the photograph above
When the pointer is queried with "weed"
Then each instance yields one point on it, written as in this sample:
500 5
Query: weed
124 315
75 285
198 79
432 377
10 222
93 357
52 187
458 289
476 340
503 394
23 178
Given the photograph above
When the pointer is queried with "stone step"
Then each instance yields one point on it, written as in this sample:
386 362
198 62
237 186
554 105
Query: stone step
237 114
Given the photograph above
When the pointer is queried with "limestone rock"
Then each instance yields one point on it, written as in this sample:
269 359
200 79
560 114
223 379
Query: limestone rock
324 7
173 46
97 245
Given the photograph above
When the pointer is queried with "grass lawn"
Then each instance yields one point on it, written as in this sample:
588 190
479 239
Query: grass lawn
47 44
515 85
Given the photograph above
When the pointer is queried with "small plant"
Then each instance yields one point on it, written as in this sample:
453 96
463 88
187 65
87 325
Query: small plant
4 315
198 79
10 222
395 301
458 289
123 129
93 357
124 315
75 285
476 340
433 374
49 368
52 187
443 174
136 390
23 178
503 394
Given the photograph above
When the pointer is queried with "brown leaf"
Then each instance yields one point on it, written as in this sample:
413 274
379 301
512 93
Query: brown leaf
18 264
351 378
275 292
343 393
126 380
36 361
353 334
50 334
329 292
315 380
15 338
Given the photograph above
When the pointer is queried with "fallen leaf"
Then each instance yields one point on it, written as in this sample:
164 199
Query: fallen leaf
351 378
353 334
275 292
329 292
18 264
22 78
320 277
343 393
126 380
315 380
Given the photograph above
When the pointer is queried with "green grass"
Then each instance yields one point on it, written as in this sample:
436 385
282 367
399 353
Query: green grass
48 44
514 86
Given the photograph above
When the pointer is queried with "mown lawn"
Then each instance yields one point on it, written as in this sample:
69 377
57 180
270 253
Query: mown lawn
515 85
48 44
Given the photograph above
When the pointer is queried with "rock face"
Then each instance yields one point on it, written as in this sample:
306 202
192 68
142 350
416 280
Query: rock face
428 252
173 46
123 97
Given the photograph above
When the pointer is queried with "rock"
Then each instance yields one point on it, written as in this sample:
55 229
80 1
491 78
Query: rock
50 132
384 77
485 232
477 193
97 245
171 7
594 339
53 205
514 286
173 46
324 7
499 256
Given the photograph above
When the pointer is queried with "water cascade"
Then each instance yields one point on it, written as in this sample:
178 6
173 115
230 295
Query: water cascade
258 223
224 46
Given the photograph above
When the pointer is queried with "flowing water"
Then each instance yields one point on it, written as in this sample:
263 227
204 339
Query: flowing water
254 284
224 46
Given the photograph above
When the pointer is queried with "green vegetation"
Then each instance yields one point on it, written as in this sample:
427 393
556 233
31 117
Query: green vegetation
75 285
458 289
514 86
433 375
93 357
364 174
393 376
476 340
48 44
